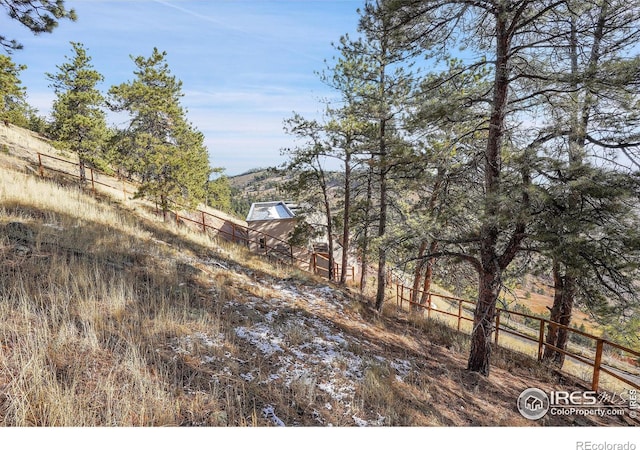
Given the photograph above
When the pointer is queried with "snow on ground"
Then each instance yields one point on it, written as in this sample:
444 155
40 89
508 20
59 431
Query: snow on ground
304 351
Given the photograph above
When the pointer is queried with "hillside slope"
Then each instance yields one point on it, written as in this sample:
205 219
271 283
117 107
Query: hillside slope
111 317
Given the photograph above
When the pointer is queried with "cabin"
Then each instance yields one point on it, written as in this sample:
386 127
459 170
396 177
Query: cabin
270 226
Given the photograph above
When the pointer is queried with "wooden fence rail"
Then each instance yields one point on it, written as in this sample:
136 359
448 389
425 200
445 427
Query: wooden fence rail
282 251
407 294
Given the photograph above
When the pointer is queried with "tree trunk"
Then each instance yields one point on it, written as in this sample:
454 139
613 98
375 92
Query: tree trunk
82 167
382 143
346 226
365 237
382 225
417 277
552 328
565 318
563 299
565 284
327 209
428 275
382 252
484 320
164 206
427 265
490 270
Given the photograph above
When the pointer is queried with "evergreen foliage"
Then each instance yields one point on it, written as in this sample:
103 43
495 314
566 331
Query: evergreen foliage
218 193
39 16
78 120
159 146
14 108
510 152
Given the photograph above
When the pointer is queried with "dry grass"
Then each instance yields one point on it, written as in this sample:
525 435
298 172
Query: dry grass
110 317
88 299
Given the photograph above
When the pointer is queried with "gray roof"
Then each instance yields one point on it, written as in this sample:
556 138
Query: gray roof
269 211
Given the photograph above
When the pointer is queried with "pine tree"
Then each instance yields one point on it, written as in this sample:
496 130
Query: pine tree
160 146
14 108
310 180
505 39
39 16
496 35
218 192
347 128
590 231
382 63
78 120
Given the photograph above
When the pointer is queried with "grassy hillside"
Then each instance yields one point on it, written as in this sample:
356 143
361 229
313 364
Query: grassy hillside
111 317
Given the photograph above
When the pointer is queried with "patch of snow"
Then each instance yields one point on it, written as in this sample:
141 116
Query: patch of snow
261 337
269 413
272 377
326 290
338 393
247 376
303 348
360 422
402 367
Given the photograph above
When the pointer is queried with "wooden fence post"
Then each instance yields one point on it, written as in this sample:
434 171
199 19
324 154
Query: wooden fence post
204 223
596 365
541 340
40 168
459 313
429 305
497 325
93 184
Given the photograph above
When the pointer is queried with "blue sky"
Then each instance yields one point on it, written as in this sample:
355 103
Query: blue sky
246 65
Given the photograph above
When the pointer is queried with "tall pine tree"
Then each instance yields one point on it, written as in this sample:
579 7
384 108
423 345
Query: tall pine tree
78 120
159 145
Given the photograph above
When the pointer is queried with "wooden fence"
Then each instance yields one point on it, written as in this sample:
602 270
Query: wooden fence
272 247
464 313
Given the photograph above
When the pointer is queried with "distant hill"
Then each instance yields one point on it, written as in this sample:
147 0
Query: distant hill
256 185
263 185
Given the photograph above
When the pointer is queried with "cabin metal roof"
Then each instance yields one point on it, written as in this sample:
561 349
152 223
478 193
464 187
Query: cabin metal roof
269 211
